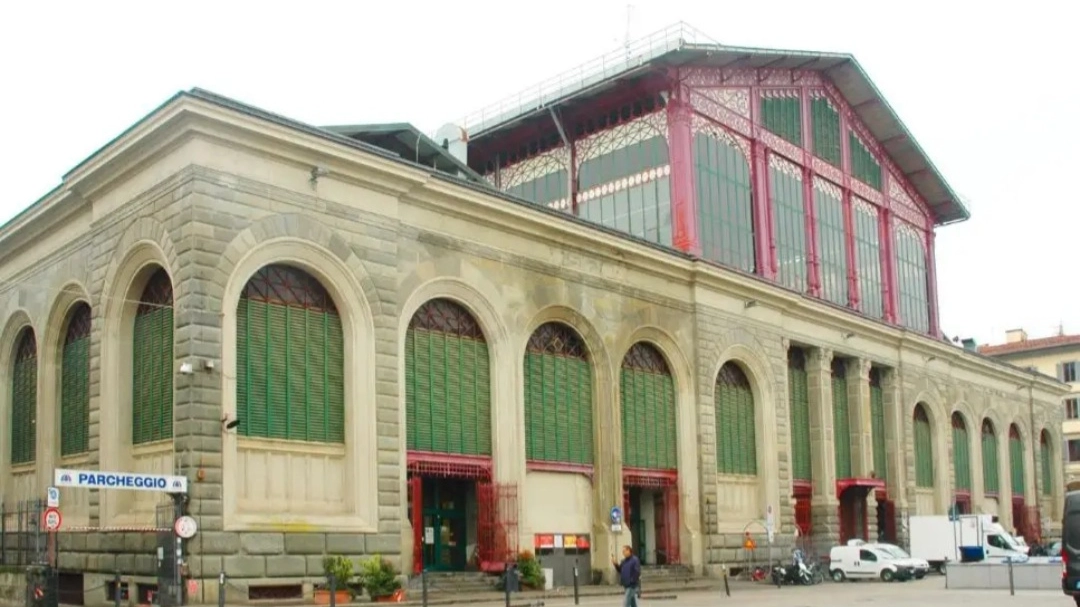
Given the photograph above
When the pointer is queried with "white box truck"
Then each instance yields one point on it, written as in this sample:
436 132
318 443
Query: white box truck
938 539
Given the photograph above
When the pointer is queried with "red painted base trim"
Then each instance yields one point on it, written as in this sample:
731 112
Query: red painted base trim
881 494
868 484
542 466
427 463
800 488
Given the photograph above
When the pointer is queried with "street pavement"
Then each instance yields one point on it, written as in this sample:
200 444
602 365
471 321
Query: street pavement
929 592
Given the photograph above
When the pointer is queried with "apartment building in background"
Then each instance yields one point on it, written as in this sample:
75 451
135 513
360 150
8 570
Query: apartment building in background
1059 356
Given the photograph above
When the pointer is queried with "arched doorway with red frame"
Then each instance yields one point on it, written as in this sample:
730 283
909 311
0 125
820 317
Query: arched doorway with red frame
650 455
1020 522
461 520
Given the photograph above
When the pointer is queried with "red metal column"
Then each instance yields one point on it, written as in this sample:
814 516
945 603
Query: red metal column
888 265
416 488
931 282
809 204
849 217
764 243
684 215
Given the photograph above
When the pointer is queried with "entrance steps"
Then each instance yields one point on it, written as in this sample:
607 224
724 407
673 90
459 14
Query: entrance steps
443 583
666 576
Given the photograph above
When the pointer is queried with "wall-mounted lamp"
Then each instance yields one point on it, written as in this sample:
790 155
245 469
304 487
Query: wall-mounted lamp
750 303
186 369
228 424
849 335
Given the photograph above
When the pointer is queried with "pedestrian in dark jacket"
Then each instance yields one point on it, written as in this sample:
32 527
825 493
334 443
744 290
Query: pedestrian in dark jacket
629 575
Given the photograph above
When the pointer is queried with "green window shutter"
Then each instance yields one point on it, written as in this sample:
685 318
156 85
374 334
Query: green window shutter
864 166
924 450
990 460
24 399
841 420
1016 463
290 359
799 395
736 426
826 129
448 383
961 455
877 424
75 384
1044 459
725 208
558 397
152 363
647 396
782 115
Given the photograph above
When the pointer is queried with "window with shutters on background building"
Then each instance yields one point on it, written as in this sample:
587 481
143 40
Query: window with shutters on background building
647 395
558 397
1072 408
75 383
24 399
1069 372
152 362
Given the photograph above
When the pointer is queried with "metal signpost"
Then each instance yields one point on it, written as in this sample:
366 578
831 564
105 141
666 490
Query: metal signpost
170 550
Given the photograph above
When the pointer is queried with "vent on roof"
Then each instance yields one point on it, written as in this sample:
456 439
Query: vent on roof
455 140
969 344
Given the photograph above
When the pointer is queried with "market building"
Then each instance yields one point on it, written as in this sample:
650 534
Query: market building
697 286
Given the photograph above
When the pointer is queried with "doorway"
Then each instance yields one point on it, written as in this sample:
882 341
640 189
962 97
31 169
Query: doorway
853 514
447 533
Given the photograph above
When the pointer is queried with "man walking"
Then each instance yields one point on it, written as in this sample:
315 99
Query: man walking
629 575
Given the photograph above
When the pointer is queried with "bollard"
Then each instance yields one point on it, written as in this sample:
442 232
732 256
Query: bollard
577 598
423 586
333 590
117 591
727 588
1012 589
221 589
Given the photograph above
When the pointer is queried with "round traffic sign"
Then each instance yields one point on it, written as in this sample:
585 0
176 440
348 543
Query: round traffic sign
185 527
51 519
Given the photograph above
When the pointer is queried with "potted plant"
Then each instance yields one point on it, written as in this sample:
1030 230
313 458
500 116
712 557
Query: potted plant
381 581
340 570
532 576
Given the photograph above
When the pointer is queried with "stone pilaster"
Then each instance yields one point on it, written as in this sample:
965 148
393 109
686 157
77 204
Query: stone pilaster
862 435
824 507
895 459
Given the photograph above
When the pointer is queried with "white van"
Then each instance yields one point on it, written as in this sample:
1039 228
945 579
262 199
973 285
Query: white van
919 566
865 563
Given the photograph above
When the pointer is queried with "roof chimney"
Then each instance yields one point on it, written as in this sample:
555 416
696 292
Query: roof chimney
455 140
1015 336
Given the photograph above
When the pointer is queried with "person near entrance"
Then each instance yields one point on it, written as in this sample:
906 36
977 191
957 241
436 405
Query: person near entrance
629 575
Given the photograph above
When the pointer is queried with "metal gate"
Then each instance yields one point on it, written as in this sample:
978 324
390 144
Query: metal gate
170 555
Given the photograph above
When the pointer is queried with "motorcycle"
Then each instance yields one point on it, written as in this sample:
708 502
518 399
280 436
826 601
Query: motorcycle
797 573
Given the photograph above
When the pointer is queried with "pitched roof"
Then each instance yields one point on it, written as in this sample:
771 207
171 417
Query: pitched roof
683 45
1031 345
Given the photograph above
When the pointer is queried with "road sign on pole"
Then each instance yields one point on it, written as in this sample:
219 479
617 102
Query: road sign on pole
52 497
51 519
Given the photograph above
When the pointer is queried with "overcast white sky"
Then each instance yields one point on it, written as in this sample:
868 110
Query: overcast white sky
991 92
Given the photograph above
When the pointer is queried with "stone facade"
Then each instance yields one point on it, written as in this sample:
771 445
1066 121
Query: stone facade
211 194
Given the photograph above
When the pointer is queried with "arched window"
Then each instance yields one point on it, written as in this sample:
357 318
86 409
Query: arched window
290 358
24 399
1045 460
558 396
1016 462
447 381
152 362
841 419
990 459
736 423
75 383
647 395
799 394
924 449
961 453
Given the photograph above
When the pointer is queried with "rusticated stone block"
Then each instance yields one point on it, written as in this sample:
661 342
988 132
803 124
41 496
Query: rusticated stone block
262 543
242 566
305 543
286 566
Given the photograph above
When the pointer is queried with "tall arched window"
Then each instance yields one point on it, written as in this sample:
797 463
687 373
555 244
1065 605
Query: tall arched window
924 449
152 362
290 358
24 399
736 425
841 419
447 381
1046 465
990 459
1016 462
647 395
877 422
799 394
75 383
558 396
961 453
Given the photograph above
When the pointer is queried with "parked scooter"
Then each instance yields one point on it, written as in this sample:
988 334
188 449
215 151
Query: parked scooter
797 572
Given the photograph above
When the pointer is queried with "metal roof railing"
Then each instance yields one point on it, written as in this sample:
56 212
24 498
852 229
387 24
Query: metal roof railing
636 53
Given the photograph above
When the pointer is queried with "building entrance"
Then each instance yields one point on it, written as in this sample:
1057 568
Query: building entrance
446 523
651 511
